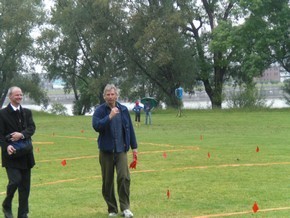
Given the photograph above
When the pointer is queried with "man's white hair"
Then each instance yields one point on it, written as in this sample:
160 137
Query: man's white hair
11 89
109 87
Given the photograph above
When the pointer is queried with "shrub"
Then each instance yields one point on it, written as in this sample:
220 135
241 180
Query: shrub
59 109
247 97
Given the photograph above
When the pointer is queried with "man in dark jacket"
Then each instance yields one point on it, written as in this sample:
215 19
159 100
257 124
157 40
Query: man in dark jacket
16 123
116 135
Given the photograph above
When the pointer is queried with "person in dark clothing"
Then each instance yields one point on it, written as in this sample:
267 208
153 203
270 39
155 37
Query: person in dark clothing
116 136
17 123
137 109
147 109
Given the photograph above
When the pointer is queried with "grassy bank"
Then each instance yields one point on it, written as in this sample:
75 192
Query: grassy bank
211 162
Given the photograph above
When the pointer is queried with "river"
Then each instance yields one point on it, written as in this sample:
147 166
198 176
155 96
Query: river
273 103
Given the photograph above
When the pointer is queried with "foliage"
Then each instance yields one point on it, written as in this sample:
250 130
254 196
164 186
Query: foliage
81 51
145 47
149 48
161 59
270 20
228 38
31 84
247 96
58 109
286 90
17 21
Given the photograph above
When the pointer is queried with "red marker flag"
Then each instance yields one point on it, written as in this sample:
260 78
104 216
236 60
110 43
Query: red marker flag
164 154
82 131
168 194
63 162
208 155
257 149
255 207
134 162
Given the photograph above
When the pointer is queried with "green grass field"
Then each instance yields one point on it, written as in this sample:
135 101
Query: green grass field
207 159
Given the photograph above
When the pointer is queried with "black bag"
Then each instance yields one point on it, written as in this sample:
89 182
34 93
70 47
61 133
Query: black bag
22 147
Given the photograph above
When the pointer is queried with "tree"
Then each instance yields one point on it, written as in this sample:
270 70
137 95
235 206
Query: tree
17 21
157 54
78 48
272 19
152 47
286 90
226 47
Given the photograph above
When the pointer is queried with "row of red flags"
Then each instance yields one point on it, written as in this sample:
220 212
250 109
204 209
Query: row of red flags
208 154
133 164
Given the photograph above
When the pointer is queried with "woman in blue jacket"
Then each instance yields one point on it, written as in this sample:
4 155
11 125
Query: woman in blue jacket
116 136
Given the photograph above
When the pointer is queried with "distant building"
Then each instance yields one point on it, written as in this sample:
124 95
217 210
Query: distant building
271 74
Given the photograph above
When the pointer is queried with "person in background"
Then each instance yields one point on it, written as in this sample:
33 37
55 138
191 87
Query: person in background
147 110
137 109
116 135
17 123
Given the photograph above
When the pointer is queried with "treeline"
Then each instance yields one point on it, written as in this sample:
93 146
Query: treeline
146 47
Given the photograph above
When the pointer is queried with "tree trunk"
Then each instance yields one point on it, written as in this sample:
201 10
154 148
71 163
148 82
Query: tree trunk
3 97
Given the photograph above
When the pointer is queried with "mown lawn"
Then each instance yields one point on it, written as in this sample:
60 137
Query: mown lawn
214 163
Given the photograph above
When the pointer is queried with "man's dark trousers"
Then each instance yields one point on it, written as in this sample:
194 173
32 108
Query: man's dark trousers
18 178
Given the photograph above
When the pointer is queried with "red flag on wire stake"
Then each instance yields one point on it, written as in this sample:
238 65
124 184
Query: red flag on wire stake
257 149
134 162
255 207
164 154
168 194
82 131
208 155
63 162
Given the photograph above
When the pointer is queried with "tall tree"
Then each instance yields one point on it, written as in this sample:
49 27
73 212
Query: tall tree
225 46
17 21
78 48
272 20
151 47
156 51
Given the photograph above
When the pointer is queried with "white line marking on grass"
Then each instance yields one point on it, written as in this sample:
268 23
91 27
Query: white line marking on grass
172 150
161 145
207 167
65 180
70 137
242 212
70 158
43 143
95 156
